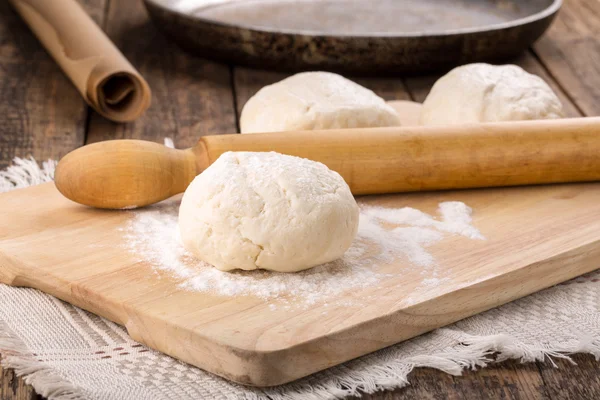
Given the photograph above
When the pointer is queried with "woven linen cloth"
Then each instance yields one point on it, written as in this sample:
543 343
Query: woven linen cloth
67 353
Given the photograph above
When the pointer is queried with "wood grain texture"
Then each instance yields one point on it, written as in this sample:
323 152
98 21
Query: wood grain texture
42 113
572 381
571 52
191 97
530 232
14 388
507 380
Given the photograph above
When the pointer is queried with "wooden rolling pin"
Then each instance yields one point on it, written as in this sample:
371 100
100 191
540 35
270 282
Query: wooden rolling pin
127 173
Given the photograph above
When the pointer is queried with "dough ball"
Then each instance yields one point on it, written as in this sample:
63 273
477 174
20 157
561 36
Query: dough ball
312 101
486 93
268 211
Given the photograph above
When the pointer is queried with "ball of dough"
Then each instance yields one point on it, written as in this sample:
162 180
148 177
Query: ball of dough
315 100
486 93
268 211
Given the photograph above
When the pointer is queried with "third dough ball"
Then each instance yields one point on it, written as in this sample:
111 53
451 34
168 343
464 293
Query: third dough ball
312 101
488 93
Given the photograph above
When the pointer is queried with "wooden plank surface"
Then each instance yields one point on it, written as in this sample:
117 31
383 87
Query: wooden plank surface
191 97
563 55
42 114
571 53
13 387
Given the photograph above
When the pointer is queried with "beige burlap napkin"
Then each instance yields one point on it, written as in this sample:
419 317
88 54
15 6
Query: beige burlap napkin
68 353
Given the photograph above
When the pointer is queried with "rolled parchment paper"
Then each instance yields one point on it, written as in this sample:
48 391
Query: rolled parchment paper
103 76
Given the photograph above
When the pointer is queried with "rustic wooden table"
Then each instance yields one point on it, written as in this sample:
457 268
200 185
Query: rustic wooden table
42 114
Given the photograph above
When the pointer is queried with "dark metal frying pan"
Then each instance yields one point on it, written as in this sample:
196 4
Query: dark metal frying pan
360 36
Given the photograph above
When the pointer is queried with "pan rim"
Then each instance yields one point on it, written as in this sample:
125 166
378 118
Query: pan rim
540 15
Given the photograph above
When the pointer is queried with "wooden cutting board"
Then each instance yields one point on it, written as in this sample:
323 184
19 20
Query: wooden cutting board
536 237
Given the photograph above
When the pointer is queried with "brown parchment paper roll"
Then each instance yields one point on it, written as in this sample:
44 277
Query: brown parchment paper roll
103 76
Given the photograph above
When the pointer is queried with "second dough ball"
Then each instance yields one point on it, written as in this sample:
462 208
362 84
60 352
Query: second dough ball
489 93
315 100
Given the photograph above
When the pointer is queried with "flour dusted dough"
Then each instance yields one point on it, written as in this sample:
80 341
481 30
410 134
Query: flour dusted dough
315 100
486 93
268 211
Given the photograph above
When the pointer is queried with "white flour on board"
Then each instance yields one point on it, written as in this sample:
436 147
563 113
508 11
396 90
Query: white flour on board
384 234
